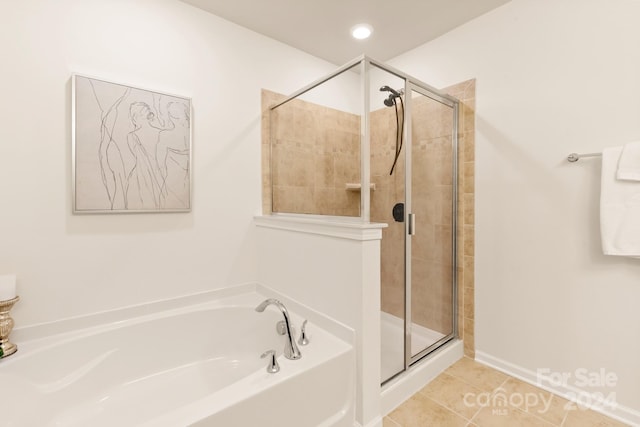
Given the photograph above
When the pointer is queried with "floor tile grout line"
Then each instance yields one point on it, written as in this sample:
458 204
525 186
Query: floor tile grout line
531 413
506 380
446 407
546 422
475 386
449 410
501 386
513 408
475 415
564 420
458 378
442 404
392 420
554 397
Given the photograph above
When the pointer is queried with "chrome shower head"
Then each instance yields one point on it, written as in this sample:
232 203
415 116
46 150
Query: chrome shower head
388 89
391 100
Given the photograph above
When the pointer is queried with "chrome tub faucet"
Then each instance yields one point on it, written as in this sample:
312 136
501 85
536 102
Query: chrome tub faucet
291 350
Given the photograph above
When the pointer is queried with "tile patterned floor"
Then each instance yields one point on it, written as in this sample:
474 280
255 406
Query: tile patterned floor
470 394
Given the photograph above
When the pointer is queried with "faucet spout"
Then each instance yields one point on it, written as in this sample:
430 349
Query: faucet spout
291 350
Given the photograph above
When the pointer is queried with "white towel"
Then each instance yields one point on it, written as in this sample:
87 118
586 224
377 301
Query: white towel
619 209
629 164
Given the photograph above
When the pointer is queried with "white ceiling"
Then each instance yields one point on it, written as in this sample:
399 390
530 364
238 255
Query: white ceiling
322 27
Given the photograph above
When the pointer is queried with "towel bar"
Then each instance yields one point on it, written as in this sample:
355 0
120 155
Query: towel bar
574 157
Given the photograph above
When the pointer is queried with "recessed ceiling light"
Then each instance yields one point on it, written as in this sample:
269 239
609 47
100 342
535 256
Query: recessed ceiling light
361 31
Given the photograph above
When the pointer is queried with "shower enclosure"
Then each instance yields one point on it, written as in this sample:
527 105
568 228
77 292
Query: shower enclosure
369 143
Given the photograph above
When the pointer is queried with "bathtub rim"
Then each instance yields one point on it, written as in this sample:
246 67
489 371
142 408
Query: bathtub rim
75 328
112 318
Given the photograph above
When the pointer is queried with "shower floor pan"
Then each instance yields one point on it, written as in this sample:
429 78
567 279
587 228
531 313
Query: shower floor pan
392 343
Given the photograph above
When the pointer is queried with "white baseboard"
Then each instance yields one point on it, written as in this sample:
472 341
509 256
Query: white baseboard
569 392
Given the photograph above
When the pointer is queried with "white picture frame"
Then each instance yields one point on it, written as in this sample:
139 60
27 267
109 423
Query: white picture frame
131 149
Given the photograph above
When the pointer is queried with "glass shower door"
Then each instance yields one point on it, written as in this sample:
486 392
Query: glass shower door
387 202
415 176
431 246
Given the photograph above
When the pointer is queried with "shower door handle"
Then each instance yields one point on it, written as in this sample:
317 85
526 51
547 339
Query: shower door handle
411 224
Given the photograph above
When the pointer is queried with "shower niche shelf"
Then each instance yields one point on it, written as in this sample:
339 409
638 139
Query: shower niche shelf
357 186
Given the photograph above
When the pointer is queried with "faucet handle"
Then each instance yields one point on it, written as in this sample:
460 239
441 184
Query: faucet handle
303 334
281 328
273 366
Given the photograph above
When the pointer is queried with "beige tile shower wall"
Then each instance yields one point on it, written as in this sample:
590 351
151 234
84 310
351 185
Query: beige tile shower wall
315 153
432 203
432 180
389 191
432 248
466 93
267 99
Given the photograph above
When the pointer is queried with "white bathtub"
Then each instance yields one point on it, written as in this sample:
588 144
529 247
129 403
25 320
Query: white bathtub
194 365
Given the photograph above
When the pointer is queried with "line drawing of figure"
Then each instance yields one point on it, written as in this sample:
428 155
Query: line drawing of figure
132 148
112 165
172 154
144 188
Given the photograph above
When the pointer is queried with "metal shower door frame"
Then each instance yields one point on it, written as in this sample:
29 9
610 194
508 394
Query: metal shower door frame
410 230
363 66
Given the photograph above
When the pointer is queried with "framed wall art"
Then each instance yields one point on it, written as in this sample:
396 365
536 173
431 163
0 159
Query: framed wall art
131 149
